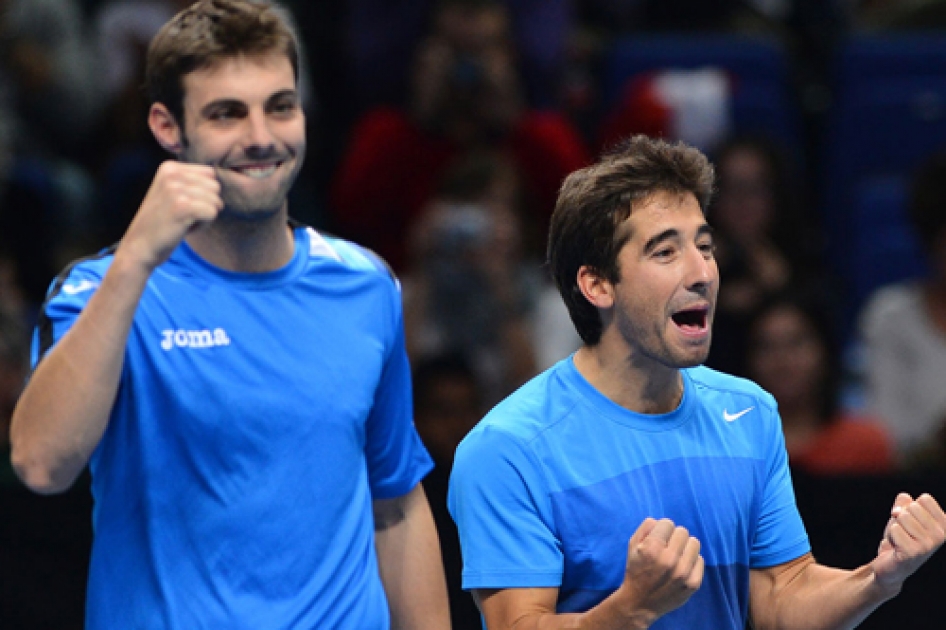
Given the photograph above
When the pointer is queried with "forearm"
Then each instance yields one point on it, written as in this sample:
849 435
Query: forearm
64 410
822 598
410 563
608 615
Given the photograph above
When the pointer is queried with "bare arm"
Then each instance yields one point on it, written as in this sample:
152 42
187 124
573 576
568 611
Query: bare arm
64 410
664 568
410 563
803 595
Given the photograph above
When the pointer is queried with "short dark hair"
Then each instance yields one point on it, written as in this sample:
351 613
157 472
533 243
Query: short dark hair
207 32
594 200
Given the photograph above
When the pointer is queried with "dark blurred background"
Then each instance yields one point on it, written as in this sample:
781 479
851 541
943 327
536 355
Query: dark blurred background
439 132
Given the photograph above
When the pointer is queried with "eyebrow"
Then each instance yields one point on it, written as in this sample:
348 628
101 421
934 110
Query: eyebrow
671 233
219 104
281 94
655 240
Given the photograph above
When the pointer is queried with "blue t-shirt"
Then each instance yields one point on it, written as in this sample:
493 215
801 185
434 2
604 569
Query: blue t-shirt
550 486
257 417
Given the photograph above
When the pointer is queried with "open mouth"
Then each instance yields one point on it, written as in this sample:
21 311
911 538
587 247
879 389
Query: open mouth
691 320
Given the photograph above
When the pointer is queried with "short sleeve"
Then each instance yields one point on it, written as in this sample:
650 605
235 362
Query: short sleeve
500 504
396 457
67 296
780 535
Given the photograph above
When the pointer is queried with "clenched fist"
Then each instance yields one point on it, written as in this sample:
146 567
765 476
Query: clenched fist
915 530
664 568
181 196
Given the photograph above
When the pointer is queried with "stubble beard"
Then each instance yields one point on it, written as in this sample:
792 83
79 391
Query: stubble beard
654 347
242 207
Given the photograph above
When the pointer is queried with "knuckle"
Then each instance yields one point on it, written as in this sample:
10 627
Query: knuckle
650 550
182 201
667 562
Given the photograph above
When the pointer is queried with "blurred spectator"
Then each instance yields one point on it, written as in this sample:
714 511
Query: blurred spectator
447 403
123 29
792 354
466 94
764 242
904 329
48 79
49 98
553 334
469 288
383 34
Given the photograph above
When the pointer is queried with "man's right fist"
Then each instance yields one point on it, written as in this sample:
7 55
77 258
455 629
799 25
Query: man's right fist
181 196
664 568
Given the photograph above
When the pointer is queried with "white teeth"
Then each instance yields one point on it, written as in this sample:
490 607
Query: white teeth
259 172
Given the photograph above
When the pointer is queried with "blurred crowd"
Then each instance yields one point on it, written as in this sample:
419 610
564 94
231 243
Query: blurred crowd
439 133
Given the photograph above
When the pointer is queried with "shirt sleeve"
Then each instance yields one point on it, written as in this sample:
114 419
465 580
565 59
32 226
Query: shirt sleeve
780 535
397 459
500 504
67 296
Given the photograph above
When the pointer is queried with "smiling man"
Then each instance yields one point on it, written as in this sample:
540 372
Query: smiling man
237 383
629 487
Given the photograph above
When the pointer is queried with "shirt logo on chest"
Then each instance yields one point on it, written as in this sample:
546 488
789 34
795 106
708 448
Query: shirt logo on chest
194 339
729 417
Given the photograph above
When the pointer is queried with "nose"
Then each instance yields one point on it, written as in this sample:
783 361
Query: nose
259 136
701 270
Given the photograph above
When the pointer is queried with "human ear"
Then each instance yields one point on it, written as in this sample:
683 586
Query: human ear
165 128
596 289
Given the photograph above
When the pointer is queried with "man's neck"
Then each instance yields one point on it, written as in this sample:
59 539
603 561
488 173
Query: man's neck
245 246
650 388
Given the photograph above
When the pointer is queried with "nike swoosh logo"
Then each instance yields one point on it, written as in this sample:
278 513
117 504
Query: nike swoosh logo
79 287
729 417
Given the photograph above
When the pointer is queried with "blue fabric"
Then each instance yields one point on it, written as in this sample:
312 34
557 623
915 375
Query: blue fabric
549 487
257 418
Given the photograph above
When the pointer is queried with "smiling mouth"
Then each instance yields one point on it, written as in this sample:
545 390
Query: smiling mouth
691 320
257 171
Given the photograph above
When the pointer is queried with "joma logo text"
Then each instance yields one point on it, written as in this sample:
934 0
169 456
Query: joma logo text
194 338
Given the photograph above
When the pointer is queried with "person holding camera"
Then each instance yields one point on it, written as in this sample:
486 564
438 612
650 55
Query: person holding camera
466 93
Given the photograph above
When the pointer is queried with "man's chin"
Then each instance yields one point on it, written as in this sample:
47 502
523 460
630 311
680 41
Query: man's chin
249 214
252 207
693 358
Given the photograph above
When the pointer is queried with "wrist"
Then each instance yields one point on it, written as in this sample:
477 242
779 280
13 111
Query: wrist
128 274
129 263
881 589
619 611
884 591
